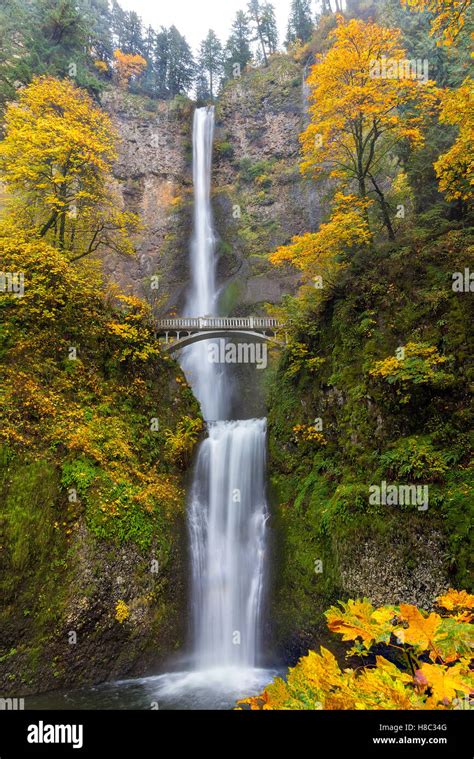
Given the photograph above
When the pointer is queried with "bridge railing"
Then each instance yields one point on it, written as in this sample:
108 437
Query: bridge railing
219 322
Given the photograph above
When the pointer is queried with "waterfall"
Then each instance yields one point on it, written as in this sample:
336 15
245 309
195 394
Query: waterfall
227 507
227 516
207 378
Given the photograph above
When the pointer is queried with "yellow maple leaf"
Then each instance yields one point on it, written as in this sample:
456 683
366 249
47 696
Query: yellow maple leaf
456 599
445 682
421 631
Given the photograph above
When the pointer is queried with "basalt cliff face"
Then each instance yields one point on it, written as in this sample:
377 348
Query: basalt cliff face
259 198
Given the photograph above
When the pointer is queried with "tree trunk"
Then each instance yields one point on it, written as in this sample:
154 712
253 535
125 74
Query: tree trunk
384 208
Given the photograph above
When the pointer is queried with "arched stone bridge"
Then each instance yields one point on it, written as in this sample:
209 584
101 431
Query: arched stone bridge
178 333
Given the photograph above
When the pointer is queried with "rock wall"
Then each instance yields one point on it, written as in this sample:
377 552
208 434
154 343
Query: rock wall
153 174
260 200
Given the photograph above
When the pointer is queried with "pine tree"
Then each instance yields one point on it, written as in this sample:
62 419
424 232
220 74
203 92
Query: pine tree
180 67
269 27
264 26
210 65
237 49
100 22
300 24
118 25
133 39
161 63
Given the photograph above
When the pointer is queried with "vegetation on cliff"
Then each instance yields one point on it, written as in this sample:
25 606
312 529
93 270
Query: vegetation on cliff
370 412
97 423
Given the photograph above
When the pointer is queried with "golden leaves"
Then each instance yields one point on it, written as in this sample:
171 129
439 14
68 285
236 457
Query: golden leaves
318 682
353 105
359 619
455 168
449 17
456 599
55 162
318 253
128 66
421 631
446 682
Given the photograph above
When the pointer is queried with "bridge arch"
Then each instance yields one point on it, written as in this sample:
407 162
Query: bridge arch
195 337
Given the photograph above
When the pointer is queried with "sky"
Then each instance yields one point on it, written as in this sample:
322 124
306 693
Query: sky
194 18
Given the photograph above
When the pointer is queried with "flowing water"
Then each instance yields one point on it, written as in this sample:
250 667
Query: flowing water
227 514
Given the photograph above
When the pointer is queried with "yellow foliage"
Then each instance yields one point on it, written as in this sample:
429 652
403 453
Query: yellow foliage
449 16
180 444
55 162
445 682
128 66
420 631
309 434
455 168
456 599
318 681
122 612
353 110
318 253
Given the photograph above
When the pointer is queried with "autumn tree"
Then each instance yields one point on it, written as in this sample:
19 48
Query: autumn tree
455 168
359 112
55 162
449 16
128 66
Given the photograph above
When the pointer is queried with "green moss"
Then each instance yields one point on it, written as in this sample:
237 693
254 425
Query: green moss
29 512
384 300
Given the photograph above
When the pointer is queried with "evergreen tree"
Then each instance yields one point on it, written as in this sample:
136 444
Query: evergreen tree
264 26
180 67
132 43
118 25
269 27
237 49
100 23
161 63
300 24
148 79
210 65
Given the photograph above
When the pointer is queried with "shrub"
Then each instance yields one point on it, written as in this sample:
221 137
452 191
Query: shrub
433 674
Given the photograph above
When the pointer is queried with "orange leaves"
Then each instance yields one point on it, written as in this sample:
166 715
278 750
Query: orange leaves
318 682
446 682
456 599
128 66
421 631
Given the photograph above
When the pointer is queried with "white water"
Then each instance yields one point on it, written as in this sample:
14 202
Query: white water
206 378
227 514
227 508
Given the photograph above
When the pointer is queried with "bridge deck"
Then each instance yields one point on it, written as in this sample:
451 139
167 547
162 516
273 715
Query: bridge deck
200 323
